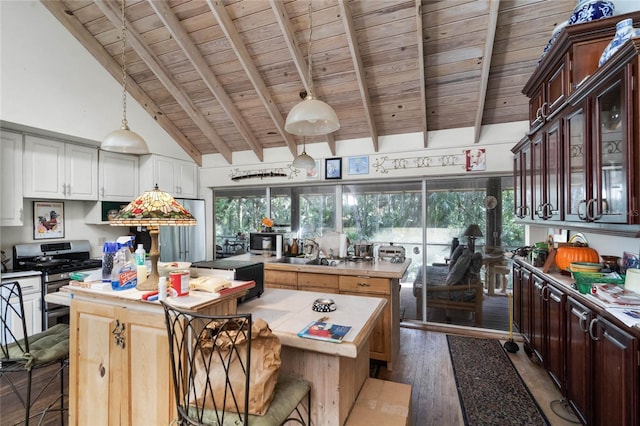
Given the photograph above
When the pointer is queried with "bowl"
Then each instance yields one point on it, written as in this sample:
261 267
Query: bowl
165 268
584 267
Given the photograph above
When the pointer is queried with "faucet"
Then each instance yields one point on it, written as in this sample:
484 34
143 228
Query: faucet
311 248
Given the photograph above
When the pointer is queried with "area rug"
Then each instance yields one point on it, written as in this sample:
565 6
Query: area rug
490 389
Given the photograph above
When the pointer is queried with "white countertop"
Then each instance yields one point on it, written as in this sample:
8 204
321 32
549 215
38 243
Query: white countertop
18 274
288 311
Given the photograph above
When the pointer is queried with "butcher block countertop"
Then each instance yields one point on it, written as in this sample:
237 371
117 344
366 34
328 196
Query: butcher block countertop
381 269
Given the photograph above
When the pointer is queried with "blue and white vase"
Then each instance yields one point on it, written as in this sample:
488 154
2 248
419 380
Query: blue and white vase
624 32
591 10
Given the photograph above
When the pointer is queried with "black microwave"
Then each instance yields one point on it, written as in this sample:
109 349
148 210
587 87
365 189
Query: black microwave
259 242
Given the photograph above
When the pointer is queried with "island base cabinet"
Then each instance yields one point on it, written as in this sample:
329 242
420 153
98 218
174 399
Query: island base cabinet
109 382
385 339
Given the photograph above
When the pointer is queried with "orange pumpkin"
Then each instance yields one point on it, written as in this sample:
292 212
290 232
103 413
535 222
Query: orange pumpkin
567 254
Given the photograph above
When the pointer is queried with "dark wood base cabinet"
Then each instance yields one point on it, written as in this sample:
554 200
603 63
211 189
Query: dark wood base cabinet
591 357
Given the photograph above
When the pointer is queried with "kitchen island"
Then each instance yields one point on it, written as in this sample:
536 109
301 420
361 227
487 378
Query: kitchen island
336 371
375 279
119 366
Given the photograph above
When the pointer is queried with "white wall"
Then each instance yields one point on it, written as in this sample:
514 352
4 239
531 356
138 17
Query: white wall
49 81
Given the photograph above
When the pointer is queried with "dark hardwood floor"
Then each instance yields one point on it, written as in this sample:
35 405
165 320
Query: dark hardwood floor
12 411
423 362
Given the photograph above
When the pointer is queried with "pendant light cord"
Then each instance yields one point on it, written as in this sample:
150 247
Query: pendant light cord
309 54
125 124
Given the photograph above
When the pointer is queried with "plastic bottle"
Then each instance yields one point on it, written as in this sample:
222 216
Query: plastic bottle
162 289
124 273
140 255
108 254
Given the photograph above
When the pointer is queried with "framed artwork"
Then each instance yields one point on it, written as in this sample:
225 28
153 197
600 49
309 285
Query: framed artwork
476 159
314 173
358 165
48 220
333 168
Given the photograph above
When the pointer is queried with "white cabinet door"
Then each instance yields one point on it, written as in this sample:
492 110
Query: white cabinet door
32 303
164 175
118 177
187 184
56 170
177 177
43 168
11 201
81 172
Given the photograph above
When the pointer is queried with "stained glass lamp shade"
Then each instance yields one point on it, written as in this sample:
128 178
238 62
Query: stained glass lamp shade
153 209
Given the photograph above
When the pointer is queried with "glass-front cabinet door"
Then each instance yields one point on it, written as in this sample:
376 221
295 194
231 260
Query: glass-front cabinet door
609 199
575 171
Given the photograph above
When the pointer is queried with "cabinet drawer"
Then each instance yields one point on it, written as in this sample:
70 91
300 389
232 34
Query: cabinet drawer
281 277
306 280
364 284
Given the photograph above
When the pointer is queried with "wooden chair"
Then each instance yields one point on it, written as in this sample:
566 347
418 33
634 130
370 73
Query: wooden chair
22 355
195 352
460 297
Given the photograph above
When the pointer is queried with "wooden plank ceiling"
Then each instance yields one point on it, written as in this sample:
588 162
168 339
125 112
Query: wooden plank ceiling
220 76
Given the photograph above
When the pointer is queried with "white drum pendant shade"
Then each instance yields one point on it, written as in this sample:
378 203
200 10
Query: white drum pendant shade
124 141
311 117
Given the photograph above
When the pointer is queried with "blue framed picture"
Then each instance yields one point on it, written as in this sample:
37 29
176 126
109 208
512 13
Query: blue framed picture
333 168
358 165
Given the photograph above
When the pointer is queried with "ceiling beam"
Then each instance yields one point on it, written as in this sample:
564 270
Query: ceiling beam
141 48
163 10
423 80
230 31
359 70
494 6
302 66
71 23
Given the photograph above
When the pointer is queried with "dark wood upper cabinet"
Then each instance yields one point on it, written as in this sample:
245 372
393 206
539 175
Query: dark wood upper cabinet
580 167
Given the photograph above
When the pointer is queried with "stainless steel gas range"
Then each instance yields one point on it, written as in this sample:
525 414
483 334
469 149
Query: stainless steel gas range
55 261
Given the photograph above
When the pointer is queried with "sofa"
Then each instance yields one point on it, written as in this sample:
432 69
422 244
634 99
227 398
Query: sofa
453 287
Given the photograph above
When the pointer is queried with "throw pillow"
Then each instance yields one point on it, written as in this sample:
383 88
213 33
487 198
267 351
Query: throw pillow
459 268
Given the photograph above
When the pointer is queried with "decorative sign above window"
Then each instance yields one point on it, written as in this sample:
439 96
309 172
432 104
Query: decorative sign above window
288 172
385 164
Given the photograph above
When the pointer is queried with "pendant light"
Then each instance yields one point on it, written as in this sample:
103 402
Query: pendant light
311 117
304 161
124 140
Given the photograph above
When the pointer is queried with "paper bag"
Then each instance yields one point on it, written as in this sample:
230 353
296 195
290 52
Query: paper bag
265 365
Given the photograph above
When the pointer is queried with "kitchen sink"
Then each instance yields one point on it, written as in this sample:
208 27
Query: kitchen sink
306 261
295 260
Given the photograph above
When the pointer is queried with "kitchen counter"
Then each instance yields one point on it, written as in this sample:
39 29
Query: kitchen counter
378 279
336 371
5 276
565 282
119 349
381 269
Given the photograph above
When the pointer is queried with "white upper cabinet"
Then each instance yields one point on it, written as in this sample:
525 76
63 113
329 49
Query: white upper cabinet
177 177
118 177
11 202
57 170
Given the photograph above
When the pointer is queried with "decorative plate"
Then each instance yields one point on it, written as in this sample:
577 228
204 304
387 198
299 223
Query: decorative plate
490 202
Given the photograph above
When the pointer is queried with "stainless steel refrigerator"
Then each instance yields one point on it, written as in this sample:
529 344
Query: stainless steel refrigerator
185 243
